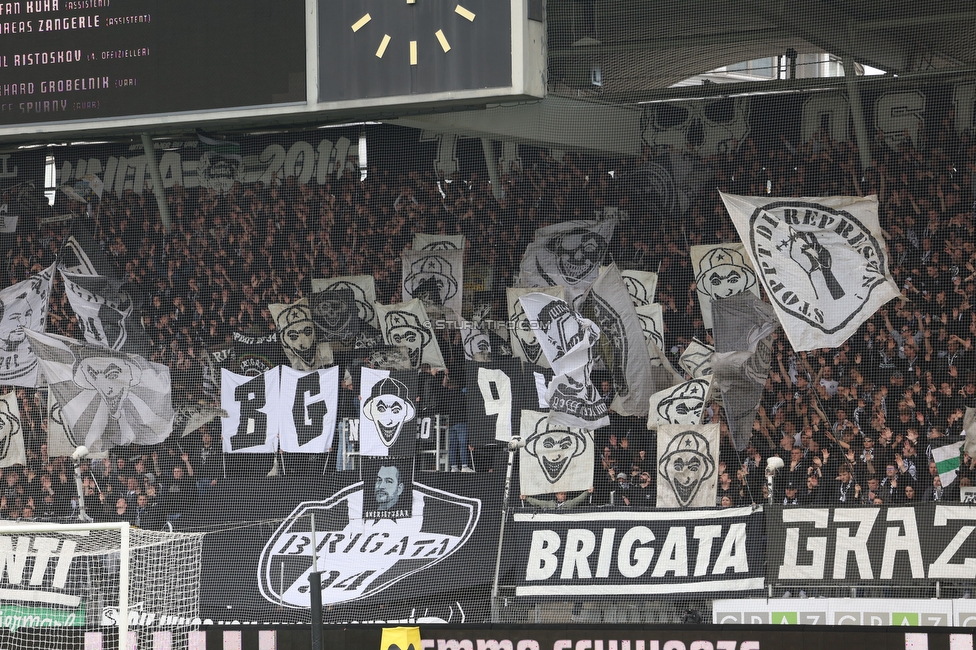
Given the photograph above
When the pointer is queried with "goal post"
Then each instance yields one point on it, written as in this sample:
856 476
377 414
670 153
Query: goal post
59 582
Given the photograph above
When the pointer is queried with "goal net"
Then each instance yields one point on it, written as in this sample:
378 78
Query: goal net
102 586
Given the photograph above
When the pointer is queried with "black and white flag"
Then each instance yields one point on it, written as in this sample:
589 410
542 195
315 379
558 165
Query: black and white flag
189 417
696 360
681 404
425 242
687 465
623 346
363 288
567 341
308 404
743 330
82 255
497 393
23 306
60 440
651 319
641 285
107 312
522 334
388 414
255 355
721 271
251 402
335 314
823 262
476 343
107 398
555 458
407 325
12 449
296 332
567 254
436 278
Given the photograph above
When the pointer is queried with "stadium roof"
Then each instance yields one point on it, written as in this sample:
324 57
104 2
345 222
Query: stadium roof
646 46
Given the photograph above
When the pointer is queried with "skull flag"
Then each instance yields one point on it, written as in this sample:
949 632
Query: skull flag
566 254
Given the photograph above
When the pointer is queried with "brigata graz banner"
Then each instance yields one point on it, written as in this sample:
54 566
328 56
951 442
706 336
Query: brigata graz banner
613 554
907 546
429 565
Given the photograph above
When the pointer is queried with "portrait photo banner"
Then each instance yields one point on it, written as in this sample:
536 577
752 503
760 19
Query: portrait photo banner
599 554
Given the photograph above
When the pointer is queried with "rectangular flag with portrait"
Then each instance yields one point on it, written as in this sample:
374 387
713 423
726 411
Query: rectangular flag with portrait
406 325
387 486
687 465
12 449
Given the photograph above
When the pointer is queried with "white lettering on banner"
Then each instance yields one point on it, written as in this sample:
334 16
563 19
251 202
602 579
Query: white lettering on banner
902 537
13 560
943 567
635 554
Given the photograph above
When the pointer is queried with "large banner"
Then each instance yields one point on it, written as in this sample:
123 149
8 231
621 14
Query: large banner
430 563
567 254
600 554
870 546
22 306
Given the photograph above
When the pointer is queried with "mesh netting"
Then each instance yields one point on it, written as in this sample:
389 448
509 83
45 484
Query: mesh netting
323 343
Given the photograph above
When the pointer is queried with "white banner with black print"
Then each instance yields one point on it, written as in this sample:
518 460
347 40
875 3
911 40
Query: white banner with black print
823 262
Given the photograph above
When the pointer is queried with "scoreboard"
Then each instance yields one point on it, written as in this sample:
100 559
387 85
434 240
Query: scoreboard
87 65
92 59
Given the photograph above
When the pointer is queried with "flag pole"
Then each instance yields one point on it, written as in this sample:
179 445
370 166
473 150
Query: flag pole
513 445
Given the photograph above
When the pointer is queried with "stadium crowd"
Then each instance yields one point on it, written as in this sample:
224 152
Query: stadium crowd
854 425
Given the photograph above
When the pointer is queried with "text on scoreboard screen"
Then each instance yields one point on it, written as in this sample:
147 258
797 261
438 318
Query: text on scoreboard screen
89 59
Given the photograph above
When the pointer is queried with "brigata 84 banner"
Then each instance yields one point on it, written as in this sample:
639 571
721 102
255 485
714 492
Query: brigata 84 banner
611 554
887 546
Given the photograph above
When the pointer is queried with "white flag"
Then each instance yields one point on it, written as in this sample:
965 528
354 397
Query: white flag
525 344
681 404
12 450
436 278
567 341
23 306
721 271
308 402
822 261
407 325
297 335
252 422
425 242
696 360
107 398
555 458
687 462
566 254
363 288
388 415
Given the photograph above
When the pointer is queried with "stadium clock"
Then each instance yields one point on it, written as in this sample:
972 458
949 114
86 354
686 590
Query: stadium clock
386 48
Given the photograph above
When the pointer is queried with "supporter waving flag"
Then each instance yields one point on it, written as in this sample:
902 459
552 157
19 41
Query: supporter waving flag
107 398
822 261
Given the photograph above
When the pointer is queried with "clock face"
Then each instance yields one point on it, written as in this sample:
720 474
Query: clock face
388 48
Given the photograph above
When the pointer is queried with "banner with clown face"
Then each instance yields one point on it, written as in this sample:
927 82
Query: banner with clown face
687 465
555 458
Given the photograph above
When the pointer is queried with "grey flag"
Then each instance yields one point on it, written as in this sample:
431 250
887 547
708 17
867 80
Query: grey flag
743 328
